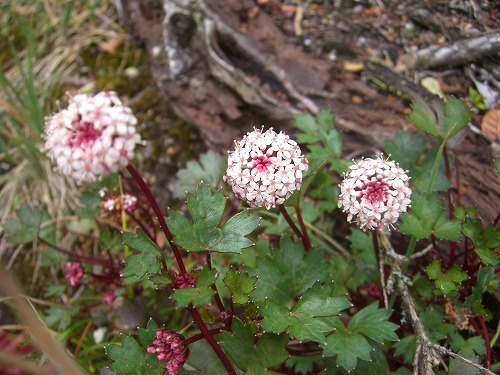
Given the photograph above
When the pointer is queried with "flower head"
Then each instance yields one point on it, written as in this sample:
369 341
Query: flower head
374 193
74 272
171 348
93 137
265 168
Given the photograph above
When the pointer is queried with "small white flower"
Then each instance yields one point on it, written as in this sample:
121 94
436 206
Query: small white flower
374 193
265 168
93 137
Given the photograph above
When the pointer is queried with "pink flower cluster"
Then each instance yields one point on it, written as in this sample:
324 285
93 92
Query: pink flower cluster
93 137
74 272
374 193
265 168
170 347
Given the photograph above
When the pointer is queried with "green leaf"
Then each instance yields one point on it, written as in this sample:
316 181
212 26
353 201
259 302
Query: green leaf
362 246
146 336
488 256
239 284
201 294
348 346
497 164
210 169
467 347
325 119
373 322
421 174
232 234
252 355
289 272
406 347
24 228
305 319
129 358
148 259
203 358
204 234
304 364
446 282
428 217
423 118
405 149
60 318
456 117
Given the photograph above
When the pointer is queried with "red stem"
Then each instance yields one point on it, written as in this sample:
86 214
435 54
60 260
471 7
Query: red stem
305 237
159 215
214 344
289 220
486 341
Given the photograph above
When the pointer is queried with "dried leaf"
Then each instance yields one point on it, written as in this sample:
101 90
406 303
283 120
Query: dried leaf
491 124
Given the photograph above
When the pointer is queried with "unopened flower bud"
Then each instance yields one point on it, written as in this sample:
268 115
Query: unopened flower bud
170 347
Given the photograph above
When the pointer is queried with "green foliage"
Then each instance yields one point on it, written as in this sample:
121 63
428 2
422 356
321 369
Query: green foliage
477 99
453 116
147 261
201 294
348 346
428 217
446 282
209 169
25 227
130 358
240 285
406 149
251 354
288 272
352 342
306 320
204 234
485 240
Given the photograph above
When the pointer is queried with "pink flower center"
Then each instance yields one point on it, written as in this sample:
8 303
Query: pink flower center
84 134
375 191
261 163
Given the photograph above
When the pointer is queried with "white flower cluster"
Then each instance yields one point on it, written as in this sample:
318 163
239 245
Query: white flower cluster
265 168
93 137
374 193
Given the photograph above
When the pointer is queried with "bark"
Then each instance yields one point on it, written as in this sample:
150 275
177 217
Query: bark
460 52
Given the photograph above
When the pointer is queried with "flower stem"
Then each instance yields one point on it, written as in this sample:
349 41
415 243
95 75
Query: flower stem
214 344
159 214
305 237
289 220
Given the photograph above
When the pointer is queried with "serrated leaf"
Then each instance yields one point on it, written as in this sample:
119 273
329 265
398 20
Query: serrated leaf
325 119
147 261
304 319
251 355
210 169
456 116
304 364
204 234
146 336
423 118
232 235
129 358
446 282
373 322
487 256
201 294
348 347
239 284
289 272
405 149
428 217
467 347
